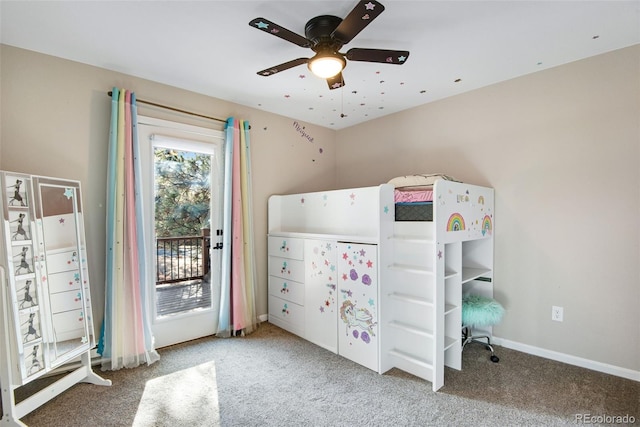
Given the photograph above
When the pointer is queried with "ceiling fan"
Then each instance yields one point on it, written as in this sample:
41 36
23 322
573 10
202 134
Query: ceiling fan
325 35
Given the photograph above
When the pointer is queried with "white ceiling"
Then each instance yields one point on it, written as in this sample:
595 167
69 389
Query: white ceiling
209 48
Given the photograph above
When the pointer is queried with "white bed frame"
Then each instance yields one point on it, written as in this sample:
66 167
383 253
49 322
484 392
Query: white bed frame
423 269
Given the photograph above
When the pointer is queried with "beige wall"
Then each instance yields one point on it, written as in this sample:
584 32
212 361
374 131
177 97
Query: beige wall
55 121
561 147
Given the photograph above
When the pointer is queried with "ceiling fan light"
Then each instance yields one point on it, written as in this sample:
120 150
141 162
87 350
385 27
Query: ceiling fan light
326 65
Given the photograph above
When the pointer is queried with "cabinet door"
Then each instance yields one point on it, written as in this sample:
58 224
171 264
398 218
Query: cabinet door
358 303
20 259
321 315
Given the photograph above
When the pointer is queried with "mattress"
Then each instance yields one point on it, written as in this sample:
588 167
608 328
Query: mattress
414 204
416 211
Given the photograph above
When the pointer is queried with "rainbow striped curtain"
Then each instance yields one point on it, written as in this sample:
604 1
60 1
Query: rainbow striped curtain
237 297
126 339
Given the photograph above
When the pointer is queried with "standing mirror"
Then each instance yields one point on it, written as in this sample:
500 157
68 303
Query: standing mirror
61 245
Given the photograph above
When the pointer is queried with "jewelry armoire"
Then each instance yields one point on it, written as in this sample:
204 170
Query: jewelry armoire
45 319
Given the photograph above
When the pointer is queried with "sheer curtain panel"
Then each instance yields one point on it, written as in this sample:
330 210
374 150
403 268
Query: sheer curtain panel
126 339
237 300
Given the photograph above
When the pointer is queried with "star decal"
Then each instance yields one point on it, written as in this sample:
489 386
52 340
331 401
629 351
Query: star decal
369 264
262 25
61 220
68 193
362 252
386 209
371 302
369 6
402 58
439 254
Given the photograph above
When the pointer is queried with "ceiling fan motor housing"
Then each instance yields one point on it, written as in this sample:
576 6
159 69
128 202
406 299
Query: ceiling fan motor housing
319 29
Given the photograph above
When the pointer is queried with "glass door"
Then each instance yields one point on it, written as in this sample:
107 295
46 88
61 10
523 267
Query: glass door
184 167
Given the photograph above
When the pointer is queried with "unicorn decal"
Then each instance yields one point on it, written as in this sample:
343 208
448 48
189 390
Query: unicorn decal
357 318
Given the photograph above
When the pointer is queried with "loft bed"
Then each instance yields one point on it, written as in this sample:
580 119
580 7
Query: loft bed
426 258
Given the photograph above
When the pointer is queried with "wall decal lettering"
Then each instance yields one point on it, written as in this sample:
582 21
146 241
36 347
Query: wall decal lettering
300 129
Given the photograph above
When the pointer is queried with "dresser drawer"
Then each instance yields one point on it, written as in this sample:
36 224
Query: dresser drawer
65 281
286 247
290 269
288 312
62 261
286 289
66 301
68 323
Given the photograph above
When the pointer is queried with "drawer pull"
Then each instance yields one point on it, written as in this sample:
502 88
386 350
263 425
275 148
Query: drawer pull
284 289
284 269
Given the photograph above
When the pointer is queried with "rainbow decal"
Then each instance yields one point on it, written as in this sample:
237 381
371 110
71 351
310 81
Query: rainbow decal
487 226
455 223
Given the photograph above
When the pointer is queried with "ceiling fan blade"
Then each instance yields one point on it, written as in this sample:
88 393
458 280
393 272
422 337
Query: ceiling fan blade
336 81
378 55
361 16
285 66
278 31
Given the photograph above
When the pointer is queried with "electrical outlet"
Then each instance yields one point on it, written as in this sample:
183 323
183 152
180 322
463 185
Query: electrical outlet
557 313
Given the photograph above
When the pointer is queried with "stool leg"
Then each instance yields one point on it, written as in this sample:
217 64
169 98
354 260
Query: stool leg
467 337
488 346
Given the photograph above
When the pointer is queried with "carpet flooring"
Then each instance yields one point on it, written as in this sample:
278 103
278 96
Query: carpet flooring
273 378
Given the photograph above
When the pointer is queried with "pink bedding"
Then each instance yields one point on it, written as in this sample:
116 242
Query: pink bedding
412 196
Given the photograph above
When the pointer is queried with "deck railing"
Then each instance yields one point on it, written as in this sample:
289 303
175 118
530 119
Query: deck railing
179 259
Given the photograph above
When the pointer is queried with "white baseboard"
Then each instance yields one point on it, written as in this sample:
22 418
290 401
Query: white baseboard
569 359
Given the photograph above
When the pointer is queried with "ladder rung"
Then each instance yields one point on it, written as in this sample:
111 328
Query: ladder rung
411 328
408 357
411 299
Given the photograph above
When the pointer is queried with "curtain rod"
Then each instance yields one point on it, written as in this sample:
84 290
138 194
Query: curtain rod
166 107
